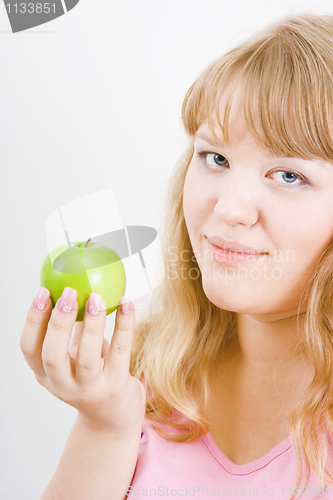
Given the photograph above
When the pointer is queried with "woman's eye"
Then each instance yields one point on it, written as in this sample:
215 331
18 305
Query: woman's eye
213 159
289 178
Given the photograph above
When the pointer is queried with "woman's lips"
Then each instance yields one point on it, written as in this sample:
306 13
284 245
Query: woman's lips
222 255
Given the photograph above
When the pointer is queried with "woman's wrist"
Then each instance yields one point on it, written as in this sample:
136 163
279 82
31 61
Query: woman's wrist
98 427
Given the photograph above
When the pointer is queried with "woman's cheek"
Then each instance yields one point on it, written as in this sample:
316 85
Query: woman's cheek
189 205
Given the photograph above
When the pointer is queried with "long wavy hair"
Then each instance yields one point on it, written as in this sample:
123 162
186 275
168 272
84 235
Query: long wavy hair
286 73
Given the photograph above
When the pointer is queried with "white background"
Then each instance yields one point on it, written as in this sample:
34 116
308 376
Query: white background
89 101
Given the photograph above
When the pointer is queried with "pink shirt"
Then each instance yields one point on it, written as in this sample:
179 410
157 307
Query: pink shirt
200 469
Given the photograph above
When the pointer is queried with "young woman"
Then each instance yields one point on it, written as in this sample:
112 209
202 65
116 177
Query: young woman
224 387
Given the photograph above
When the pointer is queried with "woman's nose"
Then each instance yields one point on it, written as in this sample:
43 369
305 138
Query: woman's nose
237 200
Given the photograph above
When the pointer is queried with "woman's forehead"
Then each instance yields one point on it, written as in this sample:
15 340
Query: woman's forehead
216 111
237 126
276 118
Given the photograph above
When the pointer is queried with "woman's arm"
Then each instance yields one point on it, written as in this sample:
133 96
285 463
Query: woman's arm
101 452
95 464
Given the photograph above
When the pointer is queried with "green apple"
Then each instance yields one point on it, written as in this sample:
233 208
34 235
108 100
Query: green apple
87 267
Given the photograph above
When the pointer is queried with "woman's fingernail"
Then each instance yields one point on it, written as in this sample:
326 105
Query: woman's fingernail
125 305
95 304
67 300
41 299
73 351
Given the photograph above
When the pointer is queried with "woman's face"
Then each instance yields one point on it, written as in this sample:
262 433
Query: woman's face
245 195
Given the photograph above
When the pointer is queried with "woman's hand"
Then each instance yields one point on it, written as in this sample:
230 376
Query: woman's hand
94 379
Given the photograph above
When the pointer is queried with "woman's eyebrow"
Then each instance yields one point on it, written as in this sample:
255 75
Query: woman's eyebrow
217 143
269 154
210 141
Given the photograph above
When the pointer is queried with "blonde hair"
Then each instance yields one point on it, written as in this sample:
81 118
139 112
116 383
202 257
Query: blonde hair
286 73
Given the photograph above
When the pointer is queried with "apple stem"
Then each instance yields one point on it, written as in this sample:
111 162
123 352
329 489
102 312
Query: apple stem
85 246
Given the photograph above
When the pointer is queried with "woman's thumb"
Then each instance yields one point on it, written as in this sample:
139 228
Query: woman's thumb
118 357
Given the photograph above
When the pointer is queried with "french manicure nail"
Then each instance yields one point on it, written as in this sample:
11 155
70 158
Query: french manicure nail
95 304
67 300
41 299
125 305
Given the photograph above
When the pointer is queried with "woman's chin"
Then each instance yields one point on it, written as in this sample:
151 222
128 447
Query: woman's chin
244 301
